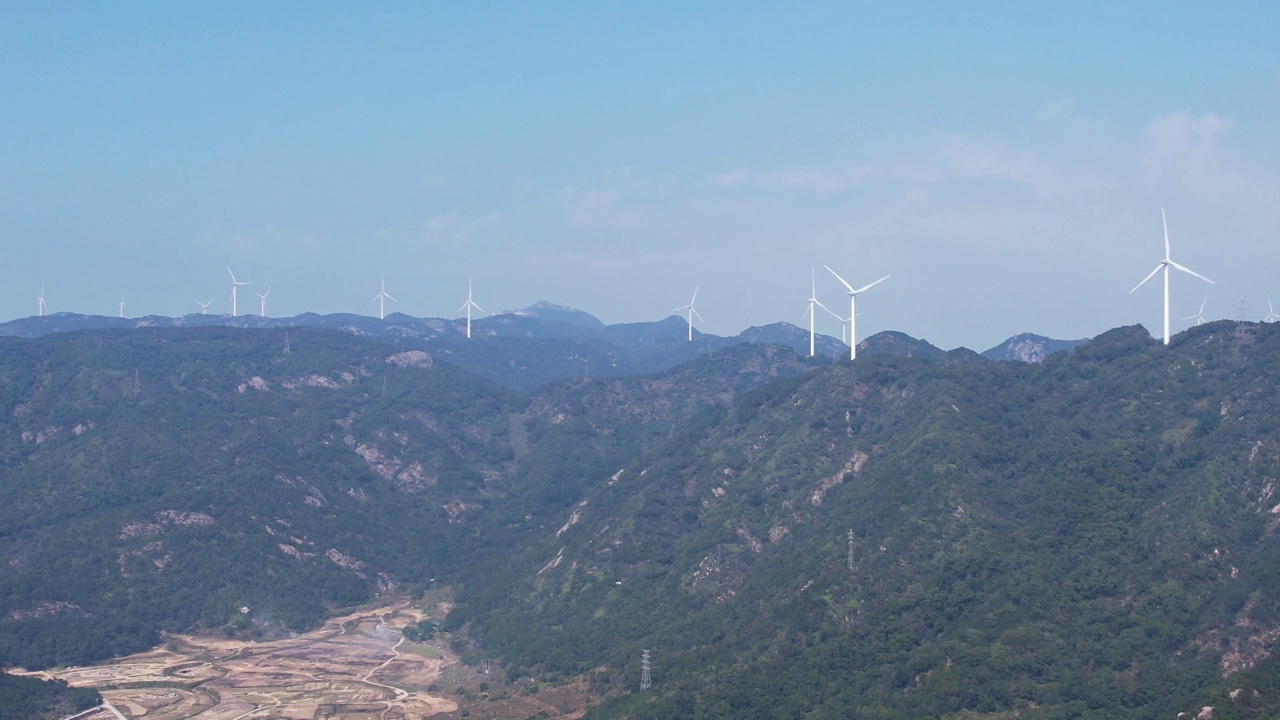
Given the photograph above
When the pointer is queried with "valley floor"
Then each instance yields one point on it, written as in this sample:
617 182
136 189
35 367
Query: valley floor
355 667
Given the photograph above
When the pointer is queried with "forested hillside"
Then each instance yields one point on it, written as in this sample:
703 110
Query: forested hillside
914 534
249 481
24 698
1094 537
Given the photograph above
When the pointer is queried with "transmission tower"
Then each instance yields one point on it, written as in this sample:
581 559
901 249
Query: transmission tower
645 680
851 549
1242 319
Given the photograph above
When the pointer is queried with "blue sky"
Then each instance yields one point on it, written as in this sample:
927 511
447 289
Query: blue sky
1005 162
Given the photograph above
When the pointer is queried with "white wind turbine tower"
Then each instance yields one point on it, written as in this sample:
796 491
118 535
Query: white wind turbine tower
1164 265
692 311
382 297
844 326
1271 314
40 306
204 306
853 310
814 301
235 284
262 312
1199 316
122 307
467 307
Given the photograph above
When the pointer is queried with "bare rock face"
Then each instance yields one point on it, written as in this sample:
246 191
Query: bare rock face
1029 348
411 359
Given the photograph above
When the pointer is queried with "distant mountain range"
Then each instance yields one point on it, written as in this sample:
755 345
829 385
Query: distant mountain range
544 342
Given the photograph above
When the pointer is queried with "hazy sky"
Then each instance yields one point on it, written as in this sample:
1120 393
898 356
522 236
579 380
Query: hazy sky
1006 162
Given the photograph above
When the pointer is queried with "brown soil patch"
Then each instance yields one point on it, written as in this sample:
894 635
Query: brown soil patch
352 668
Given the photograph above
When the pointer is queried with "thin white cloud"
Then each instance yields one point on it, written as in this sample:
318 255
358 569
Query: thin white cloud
1184 149
270 240
818 180
453 228
964 158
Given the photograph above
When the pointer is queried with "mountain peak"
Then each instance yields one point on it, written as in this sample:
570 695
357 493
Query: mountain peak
551 312
1029 348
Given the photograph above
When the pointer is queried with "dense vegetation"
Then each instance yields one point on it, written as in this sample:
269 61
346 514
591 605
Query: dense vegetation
24 698
157 480
1092 537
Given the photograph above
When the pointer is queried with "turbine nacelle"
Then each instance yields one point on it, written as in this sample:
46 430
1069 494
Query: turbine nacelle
467 306
1165 265
382 297
234 284
1199 316
853 310
262 296
691 312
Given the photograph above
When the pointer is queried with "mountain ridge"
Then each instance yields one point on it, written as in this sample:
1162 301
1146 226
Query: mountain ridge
1089 536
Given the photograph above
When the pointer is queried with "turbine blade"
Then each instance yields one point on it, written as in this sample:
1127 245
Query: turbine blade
1166 233
842 282
1190 272
695 296
1145 279
865 288
478 307
695 312
808 309
233 276
389 297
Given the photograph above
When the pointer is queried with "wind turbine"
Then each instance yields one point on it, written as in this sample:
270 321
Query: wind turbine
235 284
40 306
844 325
853 311
1199 316
813 300
121 307
382 297
467 306
204 306
1271 316
692 311
263 297
1164 265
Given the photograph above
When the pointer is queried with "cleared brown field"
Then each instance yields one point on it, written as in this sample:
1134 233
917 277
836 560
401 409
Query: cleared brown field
349 669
